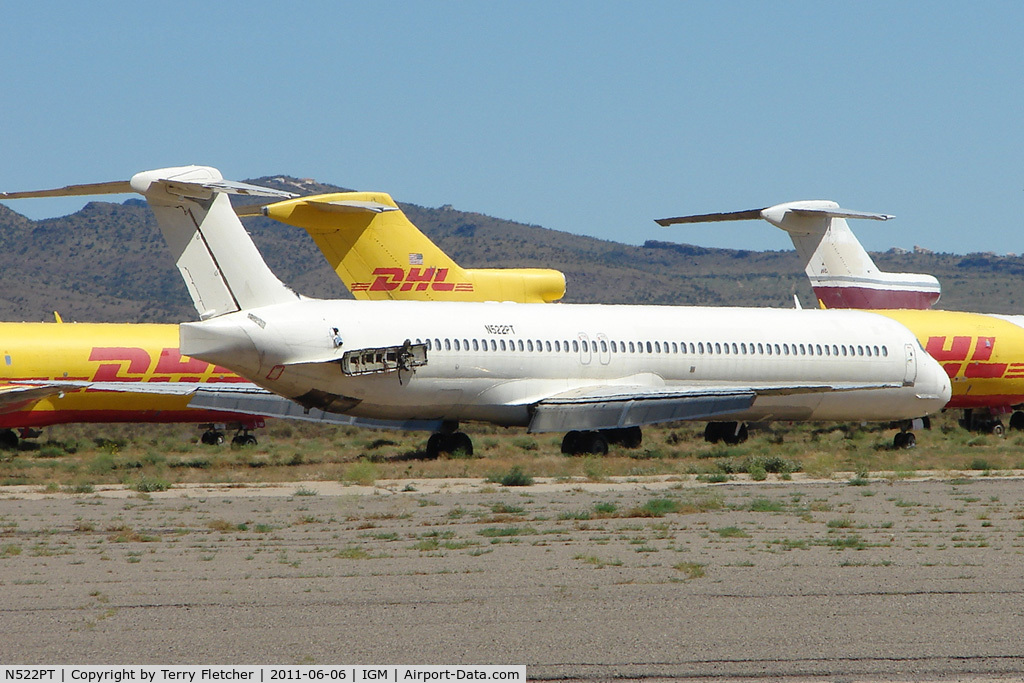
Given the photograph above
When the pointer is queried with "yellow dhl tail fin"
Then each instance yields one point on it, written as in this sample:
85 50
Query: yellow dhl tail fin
379 254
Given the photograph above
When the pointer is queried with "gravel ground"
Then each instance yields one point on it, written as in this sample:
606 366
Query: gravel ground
656 579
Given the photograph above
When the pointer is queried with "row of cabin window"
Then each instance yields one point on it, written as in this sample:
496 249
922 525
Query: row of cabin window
720 348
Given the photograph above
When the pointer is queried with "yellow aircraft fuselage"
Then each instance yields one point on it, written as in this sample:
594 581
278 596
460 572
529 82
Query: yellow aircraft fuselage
103 352
982 354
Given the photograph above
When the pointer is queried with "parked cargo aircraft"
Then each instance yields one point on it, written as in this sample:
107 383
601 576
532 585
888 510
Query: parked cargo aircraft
59 373
596 372
983 354
49 358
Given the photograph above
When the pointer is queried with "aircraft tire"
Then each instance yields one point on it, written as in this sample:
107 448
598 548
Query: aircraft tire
212 437
571 443
593 443
997 429
733 434
8 440
713 432
904 440
627 437
244 440
458 441
434 446
1017 420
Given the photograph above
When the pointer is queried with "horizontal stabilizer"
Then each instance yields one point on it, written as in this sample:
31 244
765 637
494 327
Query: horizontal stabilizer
750 215
773 214
187 189
347 206
840 213
115 187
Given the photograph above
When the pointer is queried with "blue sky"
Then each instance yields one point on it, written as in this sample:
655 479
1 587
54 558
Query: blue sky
589 117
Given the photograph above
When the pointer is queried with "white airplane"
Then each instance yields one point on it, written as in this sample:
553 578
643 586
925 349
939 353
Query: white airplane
841 272
597 372
982 353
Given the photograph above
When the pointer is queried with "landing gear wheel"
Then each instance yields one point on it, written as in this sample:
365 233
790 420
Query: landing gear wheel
735 434
593 443
627 437
244 440
456 442
713 432
212 437
570 443
8 440
996 429
460 442
434 446
1017 420
731 433
904 440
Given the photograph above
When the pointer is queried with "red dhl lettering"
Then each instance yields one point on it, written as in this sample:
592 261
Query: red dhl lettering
137 361
134 364
959 349
984 370
415 279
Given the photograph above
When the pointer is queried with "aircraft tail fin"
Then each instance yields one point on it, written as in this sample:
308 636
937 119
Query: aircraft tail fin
842 273
222 268
379 254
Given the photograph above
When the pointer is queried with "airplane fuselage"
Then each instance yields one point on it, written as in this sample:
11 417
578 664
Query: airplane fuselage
493 361
104 352
982 354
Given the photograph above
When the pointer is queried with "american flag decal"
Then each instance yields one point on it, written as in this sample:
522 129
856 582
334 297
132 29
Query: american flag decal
415 259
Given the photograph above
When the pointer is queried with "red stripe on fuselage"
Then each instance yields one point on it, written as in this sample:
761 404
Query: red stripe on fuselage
46 418
864 297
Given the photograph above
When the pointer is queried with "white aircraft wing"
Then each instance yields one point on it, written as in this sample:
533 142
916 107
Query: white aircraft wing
616 406
255 401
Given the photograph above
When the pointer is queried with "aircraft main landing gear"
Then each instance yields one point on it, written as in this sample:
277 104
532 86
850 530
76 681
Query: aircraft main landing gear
984 421
8 440
597 442
731 433
244 438
905 438
590 443
449 440
212 437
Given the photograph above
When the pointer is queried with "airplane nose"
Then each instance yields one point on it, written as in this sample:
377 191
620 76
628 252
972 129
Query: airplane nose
934 385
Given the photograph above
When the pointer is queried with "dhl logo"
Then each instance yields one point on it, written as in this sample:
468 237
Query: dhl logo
134 364
972 355
391 279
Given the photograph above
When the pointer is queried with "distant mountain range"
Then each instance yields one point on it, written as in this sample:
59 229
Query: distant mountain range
108 263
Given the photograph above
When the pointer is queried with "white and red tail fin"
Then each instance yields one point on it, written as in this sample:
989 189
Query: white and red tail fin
221 266
841 272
